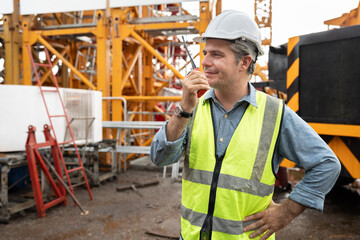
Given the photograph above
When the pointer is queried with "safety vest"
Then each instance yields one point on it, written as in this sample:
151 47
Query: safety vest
219 192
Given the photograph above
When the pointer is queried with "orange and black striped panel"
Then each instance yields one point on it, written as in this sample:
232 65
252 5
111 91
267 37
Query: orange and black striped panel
292 76
347 150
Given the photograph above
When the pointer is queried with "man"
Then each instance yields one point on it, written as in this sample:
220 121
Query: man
234 139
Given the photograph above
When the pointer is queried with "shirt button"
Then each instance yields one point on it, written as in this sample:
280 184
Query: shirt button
221 139
225 116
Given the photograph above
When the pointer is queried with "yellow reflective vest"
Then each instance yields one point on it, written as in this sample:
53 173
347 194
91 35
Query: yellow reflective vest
219 192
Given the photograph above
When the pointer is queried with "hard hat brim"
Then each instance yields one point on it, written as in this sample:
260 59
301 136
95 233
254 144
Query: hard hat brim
199 39
202 39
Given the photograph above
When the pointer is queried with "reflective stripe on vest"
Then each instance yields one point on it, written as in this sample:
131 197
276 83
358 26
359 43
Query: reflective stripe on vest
251 186
245 184
219 224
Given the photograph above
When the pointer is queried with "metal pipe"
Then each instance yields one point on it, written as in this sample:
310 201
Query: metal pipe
150 113
67 26
119 98
152 98
83 211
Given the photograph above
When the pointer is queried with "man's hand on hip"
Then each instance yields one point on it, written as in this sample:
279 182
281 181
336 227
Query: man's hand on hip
274 218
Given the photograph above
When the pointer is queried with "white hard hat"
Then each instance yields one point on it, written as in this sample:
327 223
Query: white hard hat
232 25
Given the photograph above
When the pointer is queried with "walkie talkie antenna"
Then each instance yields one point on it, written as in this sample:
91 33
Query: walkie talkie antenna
188 53
201 91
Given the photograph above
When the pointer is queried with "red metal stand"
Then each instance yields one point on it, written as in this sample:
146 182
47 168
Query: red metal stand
57 143
34 158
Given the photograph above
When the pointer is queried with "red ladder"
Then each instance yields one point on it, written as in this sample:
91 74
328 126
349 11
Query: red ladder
42 91
36 159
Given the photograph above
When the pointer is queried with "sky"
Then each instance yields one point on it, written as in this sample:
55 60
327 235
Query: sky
296 17
290 18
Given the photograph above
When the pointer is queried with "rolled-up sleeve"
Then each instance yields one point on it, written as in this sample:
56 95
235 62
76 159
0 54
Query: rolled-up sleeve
165 152
302 145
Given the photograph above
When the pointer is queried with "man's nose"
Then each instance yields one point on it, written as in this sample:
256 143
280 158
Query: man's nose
206 61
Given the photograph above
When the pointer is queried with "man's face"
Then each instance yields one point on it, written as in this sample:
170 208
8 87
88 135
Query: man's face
219 64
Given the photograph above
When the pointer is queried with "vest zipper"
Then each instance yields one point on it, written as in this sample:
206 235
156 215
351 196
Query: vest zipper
205 232
206 229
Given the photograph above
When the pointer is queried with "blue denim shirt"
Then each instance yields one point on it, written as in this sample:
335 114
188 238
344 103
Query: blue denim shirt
298 142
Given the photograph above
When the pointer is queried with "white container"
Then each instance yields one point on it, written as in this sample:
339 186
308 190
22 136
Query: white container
21 106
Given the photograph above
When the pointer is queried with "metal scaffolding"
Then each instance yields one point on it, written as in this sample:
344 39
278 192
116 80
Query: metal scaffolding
132 52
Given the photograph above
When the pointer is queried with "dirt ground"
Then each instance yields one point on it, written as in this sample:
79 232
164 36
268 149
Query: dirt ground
131 214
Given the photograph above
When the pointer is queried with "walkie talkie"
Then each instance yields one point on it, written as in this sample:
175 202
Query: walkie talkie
202 91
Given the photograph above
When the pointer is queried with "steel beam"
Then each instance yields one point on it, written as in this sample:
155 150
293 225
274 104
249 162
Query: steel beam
156 54
67 63
11 37
117 37
205 19
47 73
131 66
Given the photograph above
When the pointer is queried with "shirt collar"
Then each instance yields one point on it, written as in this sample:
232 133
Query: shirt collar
250 98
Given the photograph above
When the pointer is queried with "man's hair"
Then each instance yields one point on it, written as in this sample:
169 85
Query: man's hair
240 51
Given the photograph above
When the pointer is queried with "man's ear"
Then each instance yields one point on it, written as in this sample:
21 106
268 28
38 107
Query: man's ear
244 62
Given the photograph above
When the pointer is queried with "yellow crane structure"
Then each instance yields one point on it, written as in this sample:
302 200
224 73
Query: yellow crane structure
263 17
128 51
346 19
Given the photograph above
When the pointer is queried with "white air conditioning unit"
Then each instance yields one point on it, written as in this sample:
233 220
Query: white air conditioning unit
21 106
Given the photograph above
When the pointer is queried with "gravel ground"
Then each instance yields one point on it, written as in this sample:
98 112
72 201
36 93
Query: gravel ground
130 214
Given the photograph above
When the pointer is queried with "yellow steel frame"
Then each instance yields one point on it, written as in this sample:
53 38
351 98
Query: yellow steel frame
124 63
205 18
336 129
124 55
346 157
47 73
12 39
66 62
346 19
263 17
